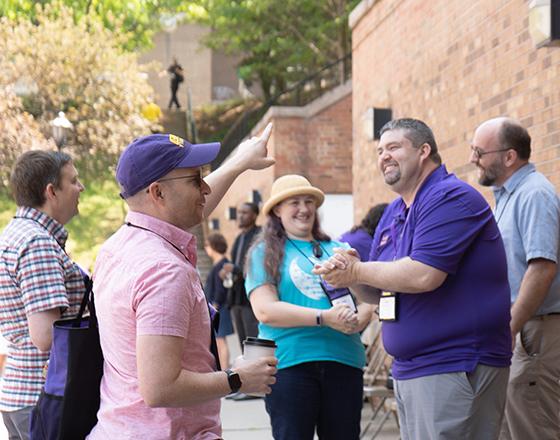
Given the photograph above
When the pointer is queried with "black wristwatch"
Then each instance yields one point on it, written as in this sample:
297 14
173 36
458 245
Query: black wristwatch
234 380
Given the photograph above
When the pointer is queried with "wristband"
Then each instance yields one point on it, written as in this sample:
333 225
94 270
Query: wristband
319 318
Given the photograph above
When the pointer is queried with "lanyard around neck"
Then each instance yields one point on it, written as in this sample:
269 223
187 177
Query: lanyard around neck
303 253
132 225
211 310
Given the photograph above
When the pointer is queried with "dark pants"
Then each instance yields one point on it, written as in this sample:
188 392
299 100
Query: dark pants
322 395
17 423
244 322
174 100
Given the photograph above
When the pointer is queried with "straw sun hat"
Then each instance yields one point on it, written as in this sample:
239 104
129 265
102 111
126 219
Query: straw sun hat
291 185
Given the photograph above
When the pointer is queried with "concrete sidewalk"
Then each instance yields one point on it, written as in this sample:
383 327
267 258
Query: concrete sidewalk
248 420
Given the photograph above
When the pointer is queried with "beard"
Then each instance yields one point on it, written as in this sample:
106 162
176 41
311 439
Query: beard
393 177
489 175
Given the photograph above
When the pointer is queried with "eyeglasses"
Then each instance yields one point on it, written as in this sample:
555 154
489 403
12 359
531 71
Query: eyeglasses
478 153
317 250
196 177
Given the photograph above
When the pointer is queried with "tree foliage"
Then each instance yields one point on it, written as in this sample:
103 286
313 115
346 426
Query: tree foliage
18 132
78 67
280 41
136 21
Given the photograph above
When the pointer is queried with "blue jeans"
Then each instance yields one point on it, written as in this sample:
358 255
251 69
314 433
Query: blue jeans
321 395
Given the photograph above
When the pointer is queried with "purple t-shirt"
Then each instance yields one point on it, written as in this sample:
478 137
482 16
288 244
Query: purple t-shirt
359 240
465 321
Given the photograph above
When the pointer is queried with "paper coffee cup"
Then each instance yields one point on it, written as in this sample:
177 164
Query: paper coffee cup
255 348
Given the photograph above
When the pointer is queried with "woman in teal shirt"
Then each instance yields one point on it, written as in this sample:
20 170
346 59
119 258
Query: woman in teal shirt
320 355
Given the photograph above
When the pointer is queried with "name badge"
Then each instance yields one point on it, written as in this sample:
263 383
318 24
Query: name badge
341 295
387 306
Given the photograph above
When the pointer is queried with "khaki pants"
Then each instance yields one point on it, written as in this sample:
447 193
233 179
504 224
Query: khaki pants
533 398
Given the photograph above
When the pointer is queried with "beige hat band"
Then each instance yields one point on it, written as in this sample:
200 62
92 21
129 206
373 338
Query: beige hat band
291 192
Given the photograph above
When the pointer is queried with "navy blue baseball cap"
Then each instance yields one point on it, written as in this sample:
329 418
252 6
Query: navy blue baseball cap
149 158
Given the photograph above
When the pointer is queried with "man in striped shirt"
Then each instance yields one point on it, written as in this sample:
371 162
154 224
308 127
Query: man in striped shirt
38 282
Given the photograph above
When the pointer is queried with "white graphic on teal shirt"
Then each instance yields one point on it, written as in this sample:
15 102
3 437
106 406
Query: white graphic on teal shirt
306 283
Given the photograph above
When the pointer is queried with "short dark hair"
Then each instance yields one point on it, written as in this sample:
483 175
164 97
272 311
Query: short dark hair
417 132
31 174
516 137
370 221
217 242
253 207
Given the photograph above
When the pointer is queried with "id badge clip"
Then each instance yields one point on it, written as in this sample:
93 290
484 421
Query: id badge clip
387 306
341 295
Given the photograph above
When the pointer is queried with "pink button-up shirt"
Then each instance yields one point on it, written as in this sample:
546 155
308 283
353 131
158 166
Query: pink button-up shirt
144 286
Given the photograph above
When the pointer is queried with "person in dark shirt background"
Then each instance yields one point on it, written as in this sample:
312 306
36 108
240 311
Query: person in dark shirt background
216 293
177 77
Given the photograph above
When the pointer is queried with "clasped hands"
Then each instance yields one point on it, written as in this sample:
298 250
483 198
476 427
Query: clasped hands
338 272
339 269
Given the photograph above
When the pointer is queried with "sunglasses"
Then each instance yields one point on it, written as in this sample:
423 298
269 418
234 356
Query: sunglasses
317 250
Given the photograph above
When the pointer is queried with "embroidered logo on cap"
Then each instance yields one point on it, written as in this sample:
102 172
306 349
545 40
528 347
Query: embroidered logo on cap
176 140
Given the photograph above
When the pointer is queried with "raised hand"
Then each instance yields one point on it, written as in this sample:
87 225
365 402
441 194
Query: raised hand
252 154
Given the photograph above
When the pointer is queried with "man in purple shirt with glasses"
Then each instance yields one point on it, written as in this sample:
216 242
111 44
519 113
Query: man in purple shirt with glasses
438 269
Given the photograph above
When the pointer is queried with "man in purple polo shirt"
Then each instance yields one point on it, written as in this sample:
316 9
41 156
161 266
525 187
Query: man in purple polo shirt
438 269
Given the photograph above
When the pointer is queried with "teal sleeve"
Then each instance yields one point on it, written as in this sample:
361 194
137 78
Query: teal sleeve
256 274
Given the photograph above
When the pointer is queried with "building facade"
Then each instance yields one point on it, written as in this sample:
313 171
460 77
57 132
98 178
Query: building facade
452 64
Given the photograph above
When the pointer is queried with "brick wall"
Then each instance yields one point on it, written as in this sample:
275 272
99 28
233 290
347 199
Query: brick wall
314 141
452 64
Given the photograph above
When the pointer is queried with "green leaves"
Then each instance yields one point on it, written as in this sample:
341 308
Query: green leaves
280 41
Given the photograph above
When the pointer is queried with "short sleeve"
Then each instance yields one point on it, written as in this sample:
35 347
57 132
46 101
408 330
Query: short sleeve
256 273
163 300
446 225
40 276
539 224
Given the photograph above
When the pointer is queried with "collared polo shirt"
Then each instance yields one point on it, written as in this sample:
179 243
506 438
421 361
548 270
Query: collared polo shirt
528 215
465 321
36 275
146 283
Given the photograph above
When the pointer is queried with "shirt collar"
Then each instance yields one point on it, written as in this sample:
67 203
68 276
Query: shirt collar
53 227
515 179
184 241
435 176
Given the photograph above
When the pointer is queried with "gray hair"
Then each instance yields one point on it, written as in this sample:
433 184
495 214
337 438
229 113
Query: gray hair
417 132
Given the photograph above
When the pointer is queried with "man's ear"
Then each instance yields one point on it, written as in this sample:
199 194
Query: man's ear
510 158
155 192
425 150
50 192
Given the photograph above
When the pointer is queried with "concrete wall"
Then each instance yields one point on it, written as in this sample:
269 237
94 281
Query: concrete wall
208 73
452 64
314 141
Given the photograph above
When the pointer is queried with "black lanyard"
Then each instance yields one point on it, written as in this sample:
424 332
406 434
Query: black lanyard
214 317
303 253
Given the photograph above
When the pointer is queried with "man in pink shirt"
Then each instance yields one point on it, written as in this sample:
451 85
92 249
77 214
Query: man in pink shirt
161 379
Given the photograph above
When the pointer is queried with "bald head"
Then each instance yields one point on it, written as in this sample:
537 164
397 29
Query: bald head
500 147
506 133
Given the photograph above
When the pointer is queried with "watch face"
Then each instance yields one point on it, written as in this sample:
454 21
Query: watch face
234 381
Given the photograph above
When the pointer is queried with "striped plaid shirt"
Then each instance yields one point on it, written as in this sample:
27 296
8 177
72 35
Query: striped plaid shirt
35 275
